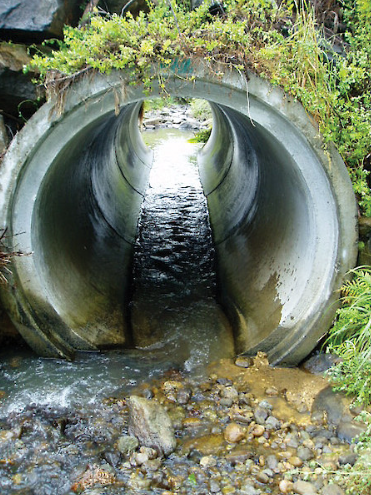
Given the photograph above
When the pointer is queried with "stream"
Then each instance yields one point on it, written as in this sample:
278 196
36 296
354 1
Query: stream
241 427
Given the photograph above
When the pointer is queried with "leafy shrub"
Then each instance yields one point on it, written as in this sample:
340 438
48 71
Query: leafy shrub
283 44
350 338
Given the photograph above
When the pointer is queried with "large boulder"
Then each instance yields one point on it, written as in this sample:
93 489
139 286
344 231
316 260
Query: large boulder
31 21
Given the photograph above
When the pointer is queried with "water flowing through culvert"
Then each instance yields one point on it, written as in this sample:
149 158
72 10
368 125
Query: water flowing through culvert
58 417
174 295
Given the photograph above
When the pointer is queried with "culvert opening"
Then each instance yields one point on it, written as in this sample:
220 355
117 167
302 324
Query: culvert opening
282 213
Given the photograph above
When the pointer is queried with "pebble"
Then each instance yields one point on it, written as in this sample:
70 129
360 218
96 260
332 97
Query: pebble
260 415
257 430
127 444
286 486
296 461
305 453
243 362
333 490
207 461
349 432
304 488
234 433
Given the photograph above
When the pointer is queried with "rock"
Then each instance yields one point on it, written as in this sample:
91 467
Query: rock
286 486
291 440
271 392
30 21
249 489
239 455
257 430
127 444
320 363
348 458
304 488
272 423
243 361
334 405
207 461
262 477
207 444
234 433
333 490
260 415
151 425
230 393
271 461
349 431
296 461
305 453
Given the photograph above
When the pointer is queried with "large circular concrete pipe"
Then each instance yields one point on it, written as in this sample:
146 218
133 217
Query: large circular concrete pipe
282 211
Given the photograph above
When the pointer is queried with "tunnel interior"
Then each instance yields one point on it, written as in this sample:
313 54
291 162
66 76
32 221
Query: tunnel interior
273 213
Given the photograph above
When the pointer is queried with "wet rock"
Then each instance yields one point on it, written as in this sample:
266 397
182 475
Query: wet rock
271 461
127 444
292 440
296 461
239 455
262 477
320 363
214 486
333 490
207 461
234 433
241 415
151 425
17 93
230 393
349 431
207 444
112 458
144 455
334 405
94 475
304 488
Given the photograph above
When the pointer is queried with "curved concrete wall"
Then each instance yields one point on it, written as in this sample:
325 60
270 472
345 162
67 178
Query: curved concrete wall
282 211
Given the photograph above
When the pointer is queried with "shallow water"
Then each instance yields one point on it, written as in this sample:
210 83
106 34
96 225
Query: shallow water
55 418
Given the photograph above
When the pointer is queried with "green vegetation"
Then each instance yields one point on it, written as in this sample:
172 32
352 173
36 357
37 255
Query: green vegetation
284 44
201 136
350 338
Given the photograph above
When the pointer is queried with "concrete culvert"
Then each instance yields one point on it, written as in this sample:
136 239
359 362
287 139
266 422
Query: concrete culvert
282 211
